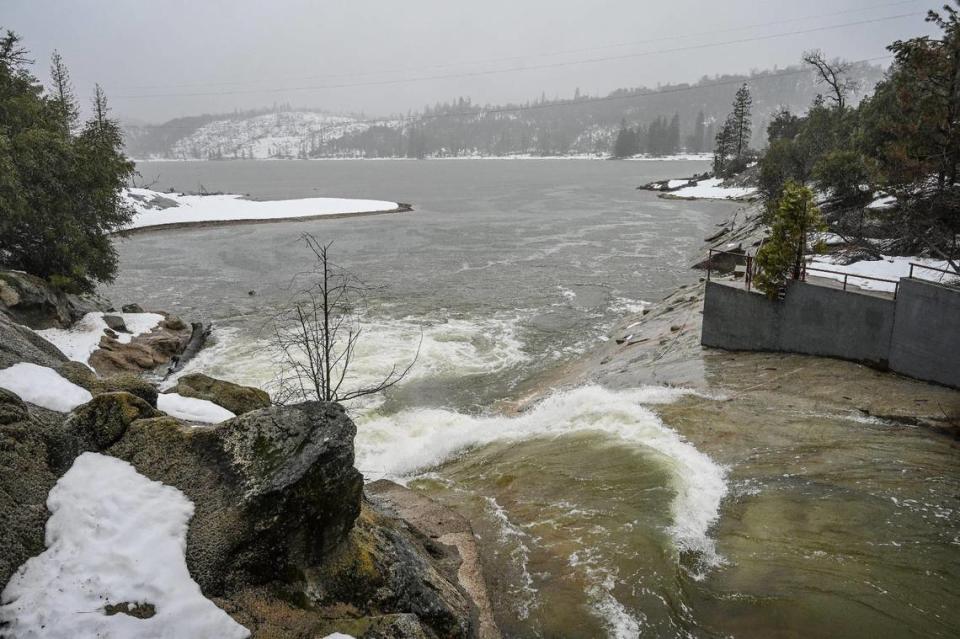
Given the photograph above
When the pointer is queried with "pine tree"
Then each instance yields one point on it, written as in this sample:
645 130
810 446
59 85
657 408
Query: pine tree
723 147
673 135
62 93
782 253
742 105
698 134
626 144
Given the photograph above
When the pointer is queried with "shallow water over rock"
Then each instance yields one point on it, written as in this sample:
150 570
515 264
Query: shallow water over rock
601 511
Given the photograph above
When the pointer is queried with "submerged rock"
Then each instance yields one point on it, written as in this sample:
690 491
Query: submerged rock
235 398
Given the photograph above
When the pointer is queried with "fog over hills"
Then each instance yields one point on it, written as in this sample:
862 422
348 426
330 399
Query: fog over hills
577 124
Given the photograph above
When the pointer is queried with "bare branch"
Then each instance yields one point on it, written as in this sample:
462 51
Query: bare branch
317 332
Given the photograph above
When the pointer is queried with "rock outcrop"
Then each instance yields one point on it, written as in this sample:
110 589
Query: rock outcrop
144 352
282 537
25 480
102 421
31 301
123 382
20 344
274 490
34 452
235 398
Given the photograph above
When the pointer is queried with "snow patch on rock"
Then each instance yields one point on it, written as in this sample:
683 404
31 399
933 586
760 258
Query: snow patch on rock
192 409
114 537
80 340
43 386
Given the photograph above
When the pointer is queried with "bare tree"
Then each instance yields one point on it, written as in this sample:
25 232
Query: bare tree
317 334
833 74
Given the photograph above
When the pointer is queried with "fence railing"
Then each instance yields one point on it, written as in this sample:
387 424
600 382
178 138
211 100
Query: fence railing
750 267
847 276
914 265
748 264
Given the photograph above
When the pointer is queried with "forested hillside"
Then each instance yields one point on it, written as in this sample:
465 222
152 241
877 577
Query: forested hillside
661 120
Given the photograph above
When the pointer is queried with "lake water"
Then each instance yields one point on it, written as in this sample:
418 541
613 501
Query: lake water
601 512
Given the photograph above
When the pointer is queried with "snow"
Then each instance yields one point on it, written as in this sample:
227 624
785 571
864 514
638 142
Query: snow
676 184
187 209
113 537
712 190
827 239
192 409
43 386
882 203
890 267
272 135
80 340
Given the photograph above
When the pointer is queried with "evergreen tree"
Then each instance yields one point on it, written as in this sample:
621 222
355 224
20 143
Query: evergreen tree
62 97
782 253
723 147
742 105
673 135
699 133
626 144
60 191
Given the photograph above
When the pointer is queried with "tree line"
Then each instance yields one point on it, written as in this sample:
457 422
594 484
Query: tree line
834 163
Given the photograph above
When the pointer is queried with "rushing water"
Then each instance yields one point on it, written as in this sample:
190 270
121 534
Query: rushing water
602 512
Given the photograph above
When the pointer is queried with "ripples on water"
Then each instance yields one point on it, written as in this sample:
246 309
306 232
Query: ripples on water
597 517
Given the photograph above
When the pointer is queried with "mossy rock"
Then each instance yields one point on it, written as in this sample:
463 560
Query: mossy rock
12 408
25 480
82 376
235 398
79 374
129 383
102 421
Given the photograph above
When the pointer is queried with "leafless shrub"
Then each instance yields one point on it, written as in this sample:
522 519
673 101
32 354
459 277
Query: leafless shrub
317 332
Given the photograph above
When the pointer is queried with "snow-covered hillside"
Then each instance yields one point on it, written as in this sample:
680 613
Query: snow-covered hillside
289 134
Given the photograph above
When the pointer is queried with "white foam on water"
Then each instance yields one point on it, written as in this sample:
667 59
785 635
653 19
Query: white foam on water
449 347
526 595
601 582
402 445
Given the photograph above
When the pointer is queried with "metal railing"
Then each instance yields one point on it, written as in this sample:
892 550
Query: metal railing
932 268
748 260
750 264
847 276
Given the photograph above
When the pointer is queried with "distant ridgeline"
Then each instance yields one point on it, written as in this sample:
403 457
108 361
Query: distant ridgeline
668 119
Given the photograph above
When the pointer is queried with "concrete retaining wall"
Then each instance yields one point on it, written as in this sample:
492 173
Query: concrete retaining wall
926 335
918 334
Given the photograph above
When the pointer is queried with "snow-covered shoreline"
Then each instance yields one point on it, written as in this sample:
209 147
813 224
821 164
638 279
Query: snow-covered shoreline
680 157
155 210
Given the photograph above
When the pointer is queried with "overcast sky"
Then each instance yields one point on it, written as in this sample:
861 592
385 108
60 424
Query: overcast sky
159 59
